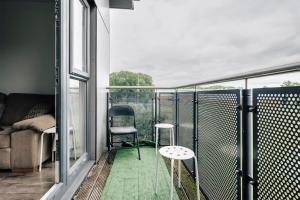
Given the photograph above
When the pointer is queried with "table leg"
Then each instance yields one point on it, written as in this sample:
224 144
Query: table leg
172 130
156 149
156 174
52 148
41 152
197 178
179 173
74 144
172 176
156 140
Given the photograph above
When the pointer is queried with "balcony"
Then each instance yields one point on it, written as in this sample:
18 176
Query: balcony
246 140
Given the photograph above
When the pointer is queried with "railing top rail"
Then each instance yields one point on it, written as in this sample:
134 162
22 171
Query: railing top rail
140 87
281 69
293 67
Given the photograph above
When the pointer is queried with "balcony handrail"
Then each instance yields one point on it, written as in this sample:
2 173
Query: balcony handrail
281 69
139 87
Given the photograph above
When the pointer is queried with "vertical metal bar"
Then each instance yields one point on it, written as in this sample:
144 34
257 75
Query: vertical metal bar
244 145
58 111
107 120
155 109
177 116
153 114
195 139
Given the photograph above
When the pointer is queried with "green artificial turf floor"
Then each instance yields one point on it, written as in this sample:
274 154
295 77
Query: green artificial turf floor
133 179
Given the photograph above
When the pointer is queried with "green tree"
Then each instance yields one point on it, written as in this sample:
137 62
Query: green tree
289 84
126 78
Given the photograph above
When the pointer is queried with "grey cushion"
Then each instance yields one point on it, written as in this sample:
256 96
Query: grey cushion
38 110
18 106
122 130
5 137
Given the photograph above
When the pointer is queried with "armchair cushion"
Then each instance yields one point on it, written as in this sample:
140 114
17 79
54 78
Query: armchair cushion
38 124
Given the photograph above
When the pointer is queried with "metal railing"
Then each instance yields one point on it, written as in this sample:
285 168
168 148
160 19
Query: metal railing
246 140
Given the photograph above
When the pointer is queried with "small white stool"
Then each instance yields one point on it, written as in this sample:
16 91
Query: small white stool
178 153
164 126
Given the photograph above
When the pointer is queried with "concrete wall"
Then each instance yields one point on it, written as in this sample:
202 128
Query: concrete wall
103 69
27 47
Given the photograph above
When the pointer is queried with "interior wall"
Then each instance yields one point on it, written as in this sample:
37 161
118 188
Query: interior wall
27 47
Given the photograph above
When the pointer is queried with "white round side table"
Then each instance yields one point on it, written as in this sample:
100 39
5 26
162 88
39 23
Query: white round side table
178 153
164 126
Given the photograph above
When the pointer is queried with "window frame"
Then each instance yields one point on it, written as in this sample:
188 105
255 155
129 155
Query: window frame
86 54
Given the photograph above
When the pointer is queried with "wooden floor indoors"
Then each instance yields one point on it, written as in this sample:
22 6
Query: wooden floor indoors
26 186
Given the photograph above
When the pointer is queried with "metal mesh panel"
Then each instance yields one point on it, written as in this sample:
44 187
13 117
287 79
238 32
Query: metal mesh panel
186 124
167 114
218 143
142 105
276 143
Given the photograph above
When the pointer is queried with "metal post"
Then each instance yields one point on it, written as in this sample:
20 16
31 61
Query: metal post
156 108
107 122
244 144
177 116
195 124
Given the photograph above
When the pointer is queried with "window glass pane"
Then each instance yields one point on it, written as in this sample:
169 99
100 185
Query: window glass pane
77 120
78 36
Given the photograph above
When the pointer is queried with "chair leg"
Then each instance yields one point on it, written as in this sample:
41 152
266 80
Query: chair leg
179 173
197 178
156 140
138 146
172 172
156 174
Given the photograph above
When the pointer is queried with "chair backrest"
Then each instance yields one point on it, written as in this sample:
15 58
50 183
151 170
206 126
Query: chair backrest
121 110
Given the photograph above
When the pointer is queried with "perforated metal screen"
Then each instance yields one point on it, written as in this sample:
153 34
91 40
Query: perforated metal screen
167 114
186 124
276 129
218 143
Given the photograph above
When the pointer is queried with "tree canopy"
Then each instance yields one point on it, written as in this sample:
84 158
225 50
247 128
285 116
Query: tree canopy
126 78
289 83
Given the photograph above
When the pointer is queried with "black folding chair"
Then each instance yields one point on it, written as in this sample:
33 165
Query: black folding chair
117 111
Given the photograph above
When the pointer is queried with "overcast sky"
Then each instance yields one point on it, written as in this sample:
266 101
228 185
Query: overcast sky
186 41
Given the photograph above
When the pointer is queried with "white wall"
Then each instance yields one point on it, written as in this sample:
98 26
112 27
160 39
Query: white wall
103 69
27 47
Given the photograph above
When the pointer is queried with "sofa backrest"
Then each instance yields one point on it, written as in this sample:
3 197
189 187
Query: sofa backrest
18 105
